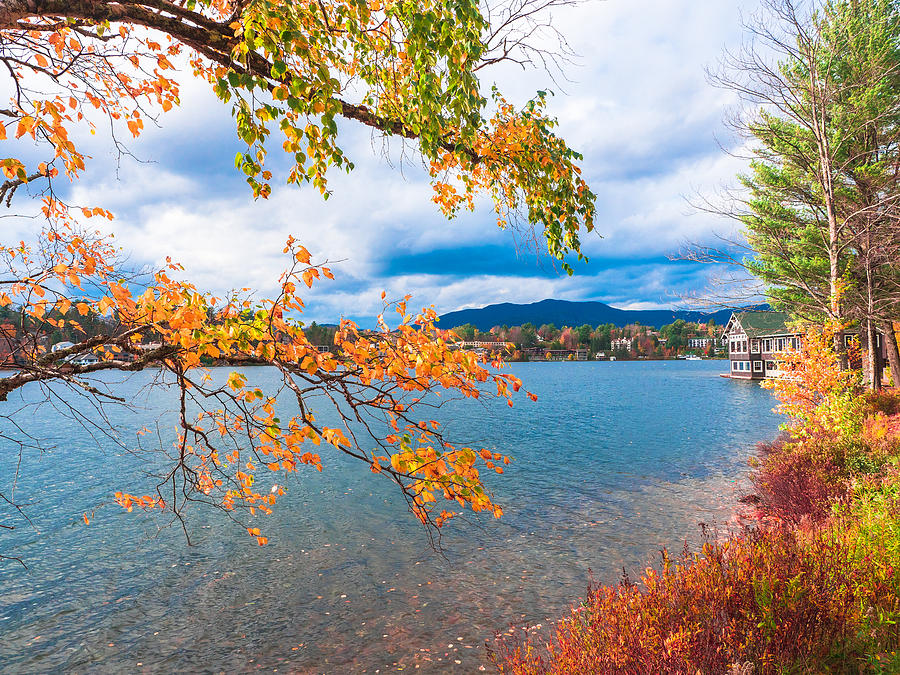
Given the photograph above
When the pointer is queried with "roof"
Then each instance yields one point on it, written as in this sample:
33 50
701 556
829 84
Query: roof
760 323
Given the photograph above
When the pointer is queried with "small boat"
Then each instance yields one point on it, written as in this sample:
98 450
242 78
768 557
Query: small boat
692 357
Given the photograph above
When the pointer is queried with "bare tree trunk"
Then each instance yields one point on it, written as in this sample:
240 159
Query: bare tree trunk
874 355
817 89
872 367
834 276
893 354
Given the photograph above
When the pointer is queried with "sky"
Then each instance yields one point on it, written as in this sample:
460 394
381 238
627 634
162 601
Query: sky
636 104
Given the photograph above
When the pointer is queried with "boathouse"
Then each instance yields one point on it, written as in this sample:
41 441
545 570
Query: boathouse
755 341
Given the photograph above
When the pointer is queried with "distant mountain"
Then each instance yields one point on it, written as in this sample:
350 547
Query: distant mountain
565 313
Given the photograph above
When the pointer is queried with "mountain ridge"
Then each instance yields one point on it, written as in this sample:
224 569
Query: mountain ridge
575 313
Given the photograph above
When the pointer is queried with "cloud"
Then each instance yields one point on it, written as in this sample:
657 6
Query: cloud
638 107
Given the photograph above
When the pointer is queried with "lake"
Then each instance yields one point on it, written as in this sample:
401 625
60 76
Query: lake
614 462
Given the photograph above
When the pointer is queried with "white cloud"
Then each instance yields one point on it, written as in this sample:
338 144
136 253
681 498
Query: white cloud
638 107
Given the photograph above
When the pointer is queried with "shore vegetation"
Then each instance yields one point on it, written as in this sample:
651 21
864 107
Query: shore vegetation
810 584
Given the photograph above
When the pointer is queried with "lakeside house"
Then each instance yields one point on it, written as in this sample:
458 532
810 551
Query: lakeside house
755 340
82 359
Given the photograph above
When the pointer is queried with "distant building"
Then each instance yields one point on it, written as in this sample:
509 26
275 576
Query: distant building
701 342
83 359
478 344
621 343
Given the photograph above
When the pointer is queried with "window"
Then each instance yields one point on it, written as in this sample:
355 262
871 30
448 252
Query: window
757 366
779 344
771 365
738 345
754 345
747 366
734 365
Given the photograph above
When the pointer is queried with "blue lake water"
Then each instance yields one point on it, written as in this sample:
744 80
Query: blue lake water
614 462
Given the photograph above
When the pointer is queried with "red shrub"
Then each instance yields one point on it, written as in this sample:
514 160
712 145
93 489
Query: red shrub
779 599
796 482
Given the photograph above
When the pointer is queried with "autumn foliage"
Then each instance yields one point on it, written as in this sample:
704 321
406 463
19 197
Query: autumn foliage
816 393
372 379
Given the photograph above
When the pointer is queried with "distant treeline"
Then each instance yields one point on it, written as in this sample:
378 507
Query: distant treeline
670 340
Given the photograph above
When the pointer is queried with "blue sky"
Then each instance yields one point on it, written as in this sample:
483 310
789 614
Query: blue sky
637 106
